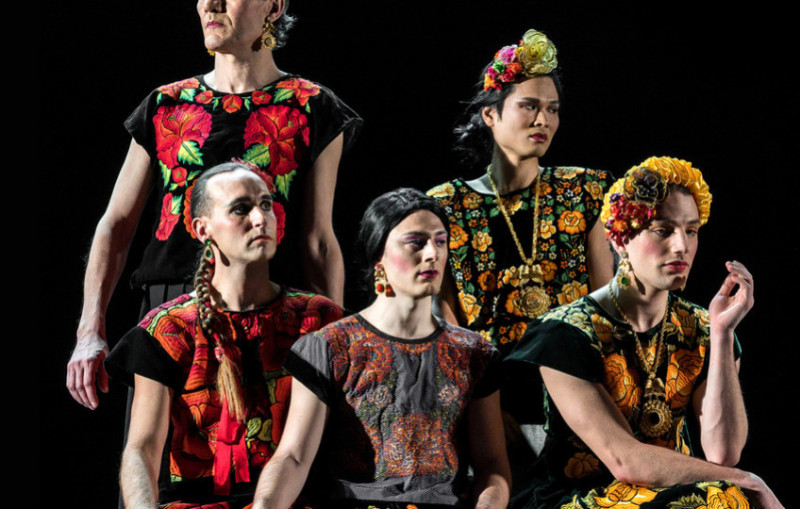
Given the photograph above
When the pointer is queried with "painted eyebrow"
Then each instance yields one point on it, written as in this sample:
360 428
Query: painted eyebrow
537 100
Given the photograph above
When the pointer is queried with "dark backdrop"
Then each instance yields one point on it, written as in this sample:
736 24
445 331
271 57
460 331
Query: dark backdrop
709 87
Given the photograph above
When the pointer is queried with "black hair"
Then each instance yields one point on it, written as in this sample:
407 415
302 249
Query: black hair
474 143
382 216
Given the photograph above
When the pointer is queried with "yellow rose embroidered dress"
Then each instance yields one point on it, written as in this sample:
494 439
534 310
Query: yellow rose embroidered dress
484 260
586 342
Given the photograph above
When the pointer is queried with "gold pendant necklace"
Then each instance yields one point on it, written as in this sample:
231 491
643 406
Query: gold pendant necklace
534 300
656 418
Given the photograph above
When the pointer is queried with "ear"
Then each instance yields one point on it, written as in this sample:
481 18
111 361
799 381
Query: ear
618 248
200 228
489 115
276 10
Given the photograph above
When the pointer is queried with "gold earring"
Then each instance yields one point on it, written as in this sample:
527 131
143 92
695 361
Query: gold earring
267 37
624 271
381 285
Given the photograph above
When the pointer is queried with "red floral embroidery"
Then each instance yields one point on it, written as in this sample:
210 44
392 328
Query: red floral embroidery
302 89
187 211
231 103
280 216
284 130
179 175
168 218
261 97
204 97
180 131
174 89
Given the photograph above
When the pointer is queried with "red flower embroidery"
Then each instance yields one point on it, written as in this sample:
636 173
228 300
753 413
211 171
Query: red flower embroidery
174 89
261 97
204 97
283 130
187 211
169 218
179 175
302 89
180 132
231 103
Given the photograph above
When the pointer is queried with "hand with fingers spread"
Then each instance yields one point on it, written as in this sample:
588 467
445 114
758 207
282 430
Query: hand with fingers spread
734 299
85 371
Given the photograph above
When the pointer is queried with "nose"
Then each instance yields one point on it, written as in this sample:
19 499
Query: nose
258 217
212 5
680 242
431 251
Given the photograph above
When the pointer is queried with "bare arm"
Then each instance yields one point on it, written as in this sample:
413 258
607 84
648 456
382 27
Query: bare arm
106 261
589 411
285 473
488 449
599 259
718 402
323 264
141 459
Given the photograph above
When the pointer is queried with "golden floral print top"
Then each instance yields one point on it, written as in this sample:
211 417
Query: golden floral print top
583 340
394 430
168 346
484 260
187 127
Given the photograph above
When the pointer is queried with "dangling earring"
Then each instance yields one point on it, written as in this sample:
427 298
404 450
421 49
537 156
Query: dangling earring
267 38
381 285
211 52
683 286
624 271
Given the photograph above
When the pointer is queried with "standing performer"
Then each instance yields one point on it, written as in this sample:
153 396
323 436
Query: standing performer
406 403
625 366
523 238
207 365
244 108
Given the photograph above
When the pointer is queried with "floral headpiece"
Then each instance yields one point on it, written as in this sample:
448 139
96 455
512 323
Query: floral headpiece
632 200
533 56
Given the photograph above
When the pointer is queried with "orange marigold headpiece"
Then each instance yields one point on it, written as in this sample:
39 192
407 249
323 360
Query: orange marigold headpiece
631 201
533 56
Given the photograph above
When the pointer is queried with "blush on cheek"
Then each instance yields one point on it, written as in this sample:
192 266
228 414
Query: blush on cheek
398 261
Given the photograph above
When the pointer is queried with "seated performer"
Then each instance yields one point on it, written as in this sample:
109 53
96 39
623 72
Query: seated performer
523 238
406 403
625 366
207 366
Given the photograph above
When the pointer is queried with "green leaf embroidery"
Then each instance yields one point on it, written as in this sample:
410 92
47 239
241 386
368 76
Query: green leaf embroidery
189 153
283 94
282 182
258 154
175 205
165 174
187 94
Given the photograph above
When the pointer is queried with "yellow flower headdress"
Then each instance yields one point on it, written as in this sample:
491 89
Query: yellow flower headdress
631 201
533 56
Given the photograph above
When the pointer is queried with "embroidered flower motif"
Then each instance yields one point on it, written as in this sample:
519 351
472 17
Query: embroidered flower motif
174 90
572 222
275 134
582 465
302 89
169 217
180 132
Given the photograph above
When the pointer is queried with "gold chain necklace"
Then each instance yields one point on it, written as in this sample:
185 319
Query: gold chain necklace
656 417
533 298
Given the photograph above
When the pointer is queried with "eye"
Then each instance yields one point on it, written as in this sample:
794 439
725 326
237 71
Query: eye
553 110
240 209
266 204
441 241
661 231
692 231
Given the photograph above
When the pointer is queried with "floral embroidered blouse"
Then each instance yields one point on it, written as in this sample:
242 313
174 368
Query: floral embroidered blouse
394 431
187 127
583 340
168 346
484 260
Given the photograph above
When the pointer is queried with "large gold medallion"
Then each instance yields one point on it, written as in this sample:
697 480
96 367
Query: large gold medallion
533 301
656 417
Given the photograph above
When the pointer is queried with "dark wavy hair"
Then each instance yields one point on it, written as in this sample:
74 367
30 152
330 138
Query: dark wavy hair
282 26
474 143
381 217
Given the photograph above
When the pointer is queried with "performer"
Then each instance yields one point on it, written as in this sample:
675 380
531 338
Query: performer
406 402
244 108
207 365
523 238
625 366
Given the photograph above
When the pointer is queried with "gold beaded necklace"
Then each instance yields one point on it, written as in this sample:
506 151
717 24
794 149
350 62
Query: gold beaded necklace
533 298
656 418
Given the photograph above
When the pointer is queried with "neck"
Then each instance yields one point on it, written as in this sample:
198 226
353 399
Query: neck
241 288
234 74
401 316
643 309
513 175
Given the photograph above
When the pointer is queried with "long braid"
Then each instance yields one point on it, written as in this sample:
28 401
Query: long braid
229 372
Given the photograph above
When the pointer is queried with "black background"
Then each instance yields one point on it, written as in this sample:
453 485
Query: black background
709 86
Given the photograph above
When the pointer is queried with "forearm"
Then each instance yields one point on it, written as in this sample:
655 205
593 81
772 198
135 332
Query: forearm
723 420
280 482
324 266
137 480
492 491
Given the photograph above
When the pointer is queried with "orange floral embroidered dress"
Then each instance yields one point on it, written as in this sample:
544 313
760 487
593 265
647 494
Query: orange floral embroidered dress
484 260
583 340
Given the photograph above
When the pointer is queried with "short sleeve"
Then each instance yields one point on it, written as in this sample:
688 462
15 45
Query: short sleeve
492 376
139 124
330 117
139 353
560 346
309 363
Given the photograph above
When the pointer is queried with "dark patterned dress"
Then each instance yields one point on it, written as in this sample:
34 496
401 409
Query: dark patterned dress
187 127
484 259
585 341
395 431
168 346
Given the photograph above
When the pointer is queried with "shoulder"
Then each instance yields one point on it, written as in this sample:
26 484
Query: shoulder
176 89
177 313
451 192
314 311
691 319
468 339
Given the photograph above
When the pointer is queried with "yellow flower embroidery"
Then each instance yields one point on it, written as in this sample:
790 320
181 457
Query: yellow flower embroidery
481 241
